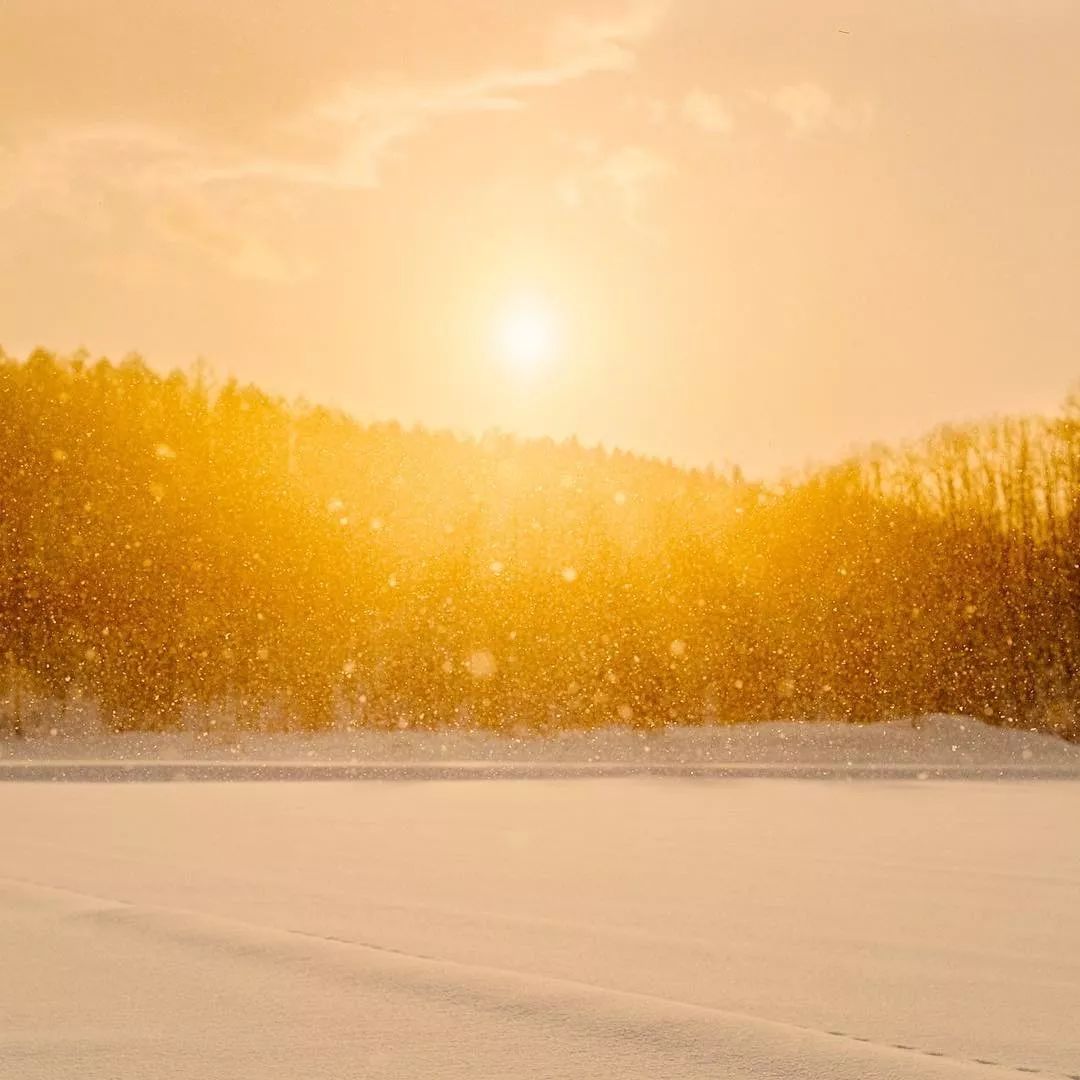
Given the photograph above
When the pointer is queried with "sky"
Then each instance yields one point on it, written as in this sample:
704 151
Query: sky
709 230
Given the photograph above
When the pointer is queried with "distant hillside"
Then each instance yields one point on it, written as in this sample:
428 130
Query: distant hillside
172 551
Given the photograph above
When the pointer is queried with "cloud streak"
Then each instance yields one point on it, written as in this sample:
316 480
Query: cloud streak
366 121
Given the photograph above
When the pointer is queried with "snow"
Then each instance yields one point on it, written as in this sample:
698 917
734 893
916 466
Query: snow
936 745
635 928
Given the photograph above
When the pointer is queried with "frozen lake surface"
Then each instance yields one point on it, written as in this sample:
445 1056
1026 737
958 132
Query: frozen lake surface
563 928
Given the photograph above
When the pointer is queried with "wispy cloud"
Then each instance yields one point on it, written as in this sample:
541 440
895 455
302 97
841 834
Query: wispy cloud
708 113
340 138
634 171
626 176
808 107
102 176
237 246
367 121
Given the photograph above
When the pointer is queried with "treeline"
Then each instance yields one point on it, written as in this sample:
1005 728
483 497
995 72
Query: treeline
172 551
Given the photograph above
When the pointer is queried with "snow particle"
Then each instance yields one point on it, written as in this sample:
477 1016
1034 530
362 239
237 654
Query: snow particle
481 664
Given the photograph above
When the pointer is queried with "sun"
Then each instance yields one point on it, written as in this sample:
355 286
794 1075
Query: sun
526 336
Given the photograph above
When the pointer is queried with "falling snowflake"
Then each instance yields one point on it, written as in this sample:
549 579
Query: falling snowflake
481 664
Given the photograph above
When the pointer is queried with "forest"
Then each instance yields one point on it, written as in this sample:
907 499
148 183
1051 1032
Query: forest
176 551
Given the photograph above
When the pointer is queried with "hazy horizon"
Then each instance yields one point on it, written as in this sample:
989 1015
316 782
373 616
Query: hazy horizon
693 230
217 377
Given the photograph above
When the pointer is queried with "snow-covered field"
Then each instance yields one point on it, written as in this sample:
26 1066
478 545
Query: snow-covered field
639 927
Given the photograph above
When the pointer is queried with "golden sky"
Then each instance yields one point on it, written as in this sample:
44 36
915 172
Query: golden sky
713 230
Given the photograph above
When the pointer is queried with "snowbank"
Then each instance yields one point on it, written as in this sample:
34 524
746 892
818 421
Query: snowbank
934 742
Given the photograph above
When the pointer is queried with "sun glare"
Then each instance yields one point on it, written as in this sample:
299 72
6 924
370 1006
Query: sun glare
526 337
